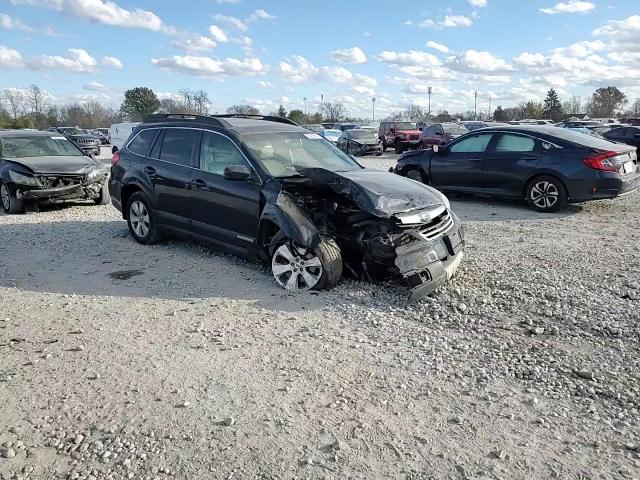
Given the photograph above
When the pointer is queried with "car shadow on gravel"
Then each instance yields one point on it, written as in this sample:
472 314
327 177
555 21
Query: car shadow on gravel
483 209
100 258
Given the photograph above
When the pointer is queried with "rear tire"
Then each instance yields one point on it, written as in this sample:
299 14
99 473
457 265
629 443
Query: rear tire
398 148
141 220
11 204
298 269
547 194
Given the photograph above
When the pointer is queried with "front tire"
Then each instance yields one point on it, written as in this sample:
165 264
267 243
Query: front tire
547 194
398 147
104 198
11 204
297 268
141 220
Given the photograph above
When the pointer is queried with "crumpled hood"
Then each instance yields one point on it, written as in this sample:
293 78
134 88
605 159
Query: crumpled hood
379 193
372 141
62 165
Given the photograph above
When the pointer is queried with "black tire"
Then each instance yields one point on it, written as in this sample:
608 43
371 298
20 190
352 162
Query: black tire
10 203
415 174
152 234
546 194
114 149
398 147
327 251
421 146
384 145
104 198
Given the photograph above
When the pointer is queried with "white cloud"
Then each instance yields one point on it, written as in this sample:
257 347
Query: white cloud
10 57
78 61
112 62
412 57
478 3
528 59
349 55
581 49
437 46
194 43
102 11
572 6
95 87
211 67
13 24
218 34
449 21
232 21
266 84
473 61
262 15
625 33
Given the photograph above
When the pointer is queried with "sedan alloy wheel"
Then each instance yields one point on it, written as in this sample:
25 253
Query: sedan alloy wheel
544 195
140 219
296 268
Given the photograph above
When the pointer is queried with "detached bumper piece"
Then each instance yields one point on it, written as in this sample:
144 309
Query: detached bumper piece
427 264
59 193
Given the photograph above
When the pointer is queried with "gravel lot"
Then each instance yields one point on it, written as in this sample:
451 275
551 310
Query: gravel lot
176 361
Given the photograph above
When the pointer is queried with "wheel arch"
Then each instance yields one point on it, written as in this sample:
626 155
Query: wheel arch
128 190
543 173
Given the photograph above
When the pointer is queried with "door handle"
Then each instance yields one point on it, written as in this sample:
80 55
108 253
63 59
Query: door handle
199 184
529 158
150 171
475 160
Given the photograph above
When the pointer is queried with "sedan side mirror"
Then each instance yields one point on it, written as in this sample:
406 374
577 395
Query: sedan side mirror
237 172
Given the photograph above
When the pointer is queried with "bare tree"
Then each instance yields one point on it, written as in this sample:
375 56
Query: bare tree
16 101
333 112
195 101
415 112
37 100
243 110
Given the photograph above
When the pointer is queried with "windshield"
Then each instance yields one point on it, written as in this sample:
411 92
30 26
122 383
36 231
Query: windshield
405 126
284 154
332 133
363 134
21 147
454 129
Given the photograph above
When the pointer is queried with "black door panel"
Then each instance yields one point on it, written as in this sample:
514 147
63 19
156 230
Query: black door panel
459 166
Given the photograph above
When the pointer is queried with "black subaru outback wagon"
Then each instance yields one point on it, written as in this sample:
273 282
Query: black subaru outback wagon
265 187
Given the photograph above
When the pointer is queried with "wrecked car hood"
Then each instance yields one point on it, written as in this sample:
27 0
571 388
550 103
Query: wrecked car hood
373 141
54 164
379 193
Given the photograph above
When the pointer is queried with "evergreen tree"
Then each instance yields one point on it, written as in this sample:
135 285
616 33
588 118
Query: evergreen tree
552 106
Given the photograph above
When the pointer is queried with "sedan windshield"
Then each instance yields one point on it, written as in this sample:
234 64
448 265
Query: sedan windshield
284 154
363 134
454 129
37 146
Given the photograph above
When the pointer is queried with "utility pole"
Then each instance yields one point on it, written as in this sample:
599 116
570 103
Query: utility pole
490 114
321 99
475 105
373 109
305 106
429 113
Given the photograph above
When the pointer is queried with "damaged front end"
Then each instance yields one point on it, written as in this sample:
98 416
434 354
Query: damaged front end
386 228
61 187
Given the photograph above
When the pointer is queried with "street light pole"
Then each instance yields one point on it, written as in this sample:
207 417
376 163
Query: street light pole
475 106
305 106
373 109
490 114
429 113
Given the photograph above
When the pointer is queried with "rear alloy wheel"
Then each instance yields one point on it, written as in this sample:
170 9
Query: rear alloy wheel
141 220
10 203
297 268
547 194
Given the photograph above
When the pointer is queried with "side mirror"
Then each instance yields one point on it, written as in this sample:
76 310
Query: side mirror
237 172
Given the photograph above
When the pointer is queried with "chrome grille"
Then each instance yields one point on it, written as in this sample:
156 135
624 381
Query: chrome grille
435 227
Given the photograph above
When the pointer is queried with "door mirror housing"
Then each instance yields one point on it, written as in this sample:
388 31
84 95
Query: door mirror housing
237 172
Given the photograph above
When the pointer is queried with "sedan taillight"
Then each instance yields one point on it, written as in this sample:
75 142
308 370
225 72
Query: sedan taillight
601 161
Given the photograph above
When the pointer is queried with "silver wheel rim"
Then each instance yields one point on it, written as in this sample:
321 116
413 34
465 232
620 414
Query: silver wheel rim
139 218
296 268
6 199
544 194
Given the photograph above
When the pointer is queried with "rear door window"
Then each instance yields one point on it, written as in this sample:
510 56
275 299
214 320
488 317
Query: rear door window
141 144
473 144
515 143
178 145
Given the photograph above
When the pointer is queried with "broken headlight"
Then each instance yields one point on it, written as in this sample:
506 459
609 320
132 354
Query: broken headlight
26 180
98 173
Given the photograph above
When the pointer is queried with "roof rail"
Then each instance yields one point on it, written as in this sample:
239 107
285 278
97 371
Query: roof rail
268 118
178 117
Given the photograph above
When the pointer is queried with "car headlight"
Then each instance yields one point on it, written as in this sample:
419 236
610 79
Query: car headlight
21 179
96 174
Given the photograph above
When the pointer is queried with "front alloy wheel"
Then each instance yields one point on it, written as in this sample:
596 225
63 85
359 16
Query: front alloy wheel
140 218
296 268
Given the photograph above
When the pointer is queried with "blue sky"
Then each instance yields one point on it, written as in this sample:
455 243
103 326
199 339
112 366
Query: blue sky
267 53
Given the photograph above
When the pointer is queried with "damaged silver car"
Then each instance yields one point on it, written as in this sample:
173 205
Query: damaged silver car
45 167
265 187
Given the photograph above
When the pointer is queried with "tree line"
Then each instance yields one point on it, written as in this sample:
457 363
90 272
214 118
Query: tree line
31 107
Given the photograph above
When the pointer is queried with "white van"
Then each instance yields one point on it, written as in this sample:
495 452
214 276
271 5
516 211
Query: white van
119 133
